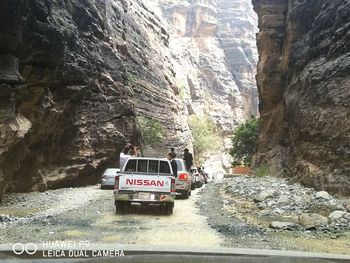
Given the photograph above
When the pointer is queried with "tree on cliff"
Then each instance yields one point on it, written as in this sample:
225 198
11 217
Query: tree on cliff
244 142
205 137
152 131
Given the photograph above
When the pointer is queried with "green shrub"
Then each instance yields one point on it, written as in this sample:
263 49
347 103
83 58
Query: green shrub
205 137
151 130
244 142
262 170
131 80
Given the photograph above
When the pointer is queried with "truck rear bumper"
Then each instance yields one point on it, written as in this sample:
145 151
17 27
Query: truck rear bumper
150 198
183 187
145 203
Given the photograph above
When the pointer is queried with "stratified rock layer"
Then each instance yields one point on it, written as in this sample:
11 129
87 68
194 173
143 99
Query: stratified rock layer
214 55
73 77
76 74
303 81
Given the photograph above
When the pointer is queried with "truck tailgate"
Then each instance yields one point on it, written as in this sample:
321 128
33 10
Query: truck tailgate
144 183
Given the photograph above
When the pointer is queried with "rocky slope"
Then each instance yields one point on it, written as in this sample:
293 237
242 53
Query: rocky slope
73 77
303 84
214 56
272 213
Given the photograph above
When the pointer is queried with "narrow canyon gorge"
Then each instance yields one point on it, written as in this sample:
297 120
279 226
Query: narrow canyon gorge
75 76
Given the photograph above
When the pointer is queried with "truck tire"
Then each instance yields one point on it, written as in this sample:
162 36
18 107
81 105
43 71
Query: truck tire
193 187
185 195
169 210
120 207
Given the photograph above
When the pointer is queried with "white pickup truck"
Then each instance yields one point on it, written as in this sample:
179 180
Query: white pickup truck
145 181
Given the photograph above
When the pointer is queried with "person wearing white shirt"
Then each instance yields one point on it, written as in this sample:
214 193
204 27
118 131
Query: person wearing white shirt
125 155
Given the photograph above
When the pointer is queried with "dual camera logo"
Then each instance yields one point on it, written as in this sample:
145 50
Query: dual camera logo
20 248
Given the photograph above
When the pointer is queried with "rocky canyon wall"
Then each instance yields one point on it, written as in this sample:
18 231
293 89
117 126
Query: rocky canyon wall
304 86
74 76
214 56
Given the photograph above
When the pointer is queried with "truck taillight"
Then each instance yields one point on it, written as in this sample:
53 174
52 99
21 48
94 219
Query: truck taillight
173 190
116 182
183 176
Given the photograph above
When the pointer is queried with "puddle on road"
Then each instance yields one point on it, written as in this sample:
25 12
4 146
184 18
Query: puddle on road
74 233
185 227
98 222
106 219
110 239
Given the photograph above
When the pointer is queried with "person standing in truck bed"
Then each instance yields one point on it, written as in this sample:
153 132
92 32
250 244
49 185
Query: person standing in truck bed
172 152
125 154
173 163
188 158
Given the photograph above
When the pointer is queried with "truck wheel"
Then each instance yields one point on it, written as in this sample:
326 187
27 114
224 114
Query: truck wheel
120 207
193 187
185 195
169 210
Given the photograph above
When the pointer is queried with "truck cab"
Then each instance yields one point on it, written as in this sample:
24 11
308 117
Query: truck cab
145 181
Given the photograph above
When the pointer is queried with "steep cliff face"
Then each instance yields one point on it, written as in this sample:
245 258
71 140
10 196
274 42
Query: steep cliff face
73 77
303 81
214 56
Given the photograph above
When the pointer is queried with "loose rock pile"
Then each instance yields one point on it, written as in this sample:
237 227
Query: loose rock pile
290 206
7 219
23 207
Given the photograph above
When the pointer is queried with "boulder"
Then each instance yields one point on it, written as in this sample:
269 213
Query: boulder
277 211
283 199
323 195
312 220
336 215
347 206
261 205
264 195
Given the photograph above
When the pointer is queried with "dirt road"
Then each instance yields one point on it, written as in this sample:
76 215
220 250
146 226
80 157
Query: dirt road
209 218
65 214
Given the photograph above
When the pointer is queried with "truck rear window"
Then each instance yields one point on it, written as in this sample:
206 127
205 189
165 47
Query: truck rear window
147 166
142 166
131 166
164 167
153 166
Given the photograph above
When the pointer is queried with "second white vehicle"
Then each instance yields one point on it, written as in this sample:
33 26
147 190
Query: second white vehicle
108 177
183 179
